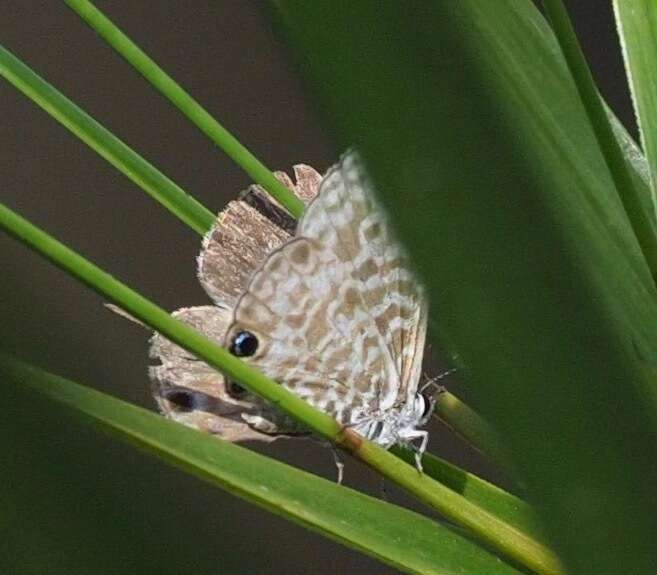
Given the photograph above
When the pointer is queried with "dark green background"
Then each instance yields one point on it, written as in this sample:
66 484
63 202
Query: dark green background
72 500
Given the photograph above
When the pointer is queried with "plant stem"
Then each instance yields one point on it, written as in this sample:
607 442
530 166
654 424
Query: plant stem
502 504
98 138
613 155
503 537
186 104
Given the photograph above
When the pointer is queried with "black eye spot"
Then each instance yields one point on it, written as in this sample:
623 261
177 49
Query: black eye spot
184 400
235 390
244 344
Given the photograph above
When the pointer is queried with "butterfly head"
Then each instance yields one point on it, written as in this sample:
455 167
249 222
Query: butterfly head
426 402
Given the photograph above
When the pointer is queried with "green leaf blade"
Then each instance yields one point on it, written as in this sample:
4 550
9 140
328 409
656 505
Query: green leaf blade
493 499
398 537
102 141
600 122
466 423
470 124
637 28
194 112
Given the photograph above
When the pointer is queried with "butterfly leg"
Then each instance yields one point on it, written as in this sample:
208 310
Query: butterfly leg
423 436
261 424
337 459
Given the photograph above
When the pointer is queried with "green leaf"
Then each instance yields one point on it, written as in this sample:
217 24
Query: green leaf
466 423
470 123
147 67
500 503
597 114
637 28
99 139
396 536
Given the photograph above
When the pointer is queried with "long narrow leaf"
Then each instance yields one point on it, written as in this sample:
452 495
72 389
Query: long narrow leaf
401 538
637 29
500 503
609 146
98 138
470 426
472 128
186 104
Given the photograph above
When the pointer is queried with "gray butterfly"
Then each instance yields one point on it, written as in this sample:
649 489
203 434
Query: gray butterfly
330 310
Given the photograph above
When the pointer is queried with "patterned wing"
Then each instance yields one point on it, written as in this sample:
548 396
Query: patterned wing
188 391
245 232
348 218
185 388
337 316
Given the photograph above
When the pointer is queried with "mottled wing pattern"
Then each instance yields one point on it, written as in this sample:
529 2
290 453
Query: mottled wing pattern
240 239
185 388
245 232
348 219
188 391
338 317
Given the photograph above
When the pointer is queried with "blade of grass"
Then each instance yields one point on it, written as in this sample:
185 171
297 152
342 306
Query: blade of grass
637 30
493 499
396 536
467 117
186 104
498 534
127 161
588 93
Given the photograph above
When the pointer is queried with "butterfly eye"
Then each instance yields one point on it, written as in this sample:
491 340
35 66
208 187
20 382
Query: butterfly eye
244 344
235 390
185 399
429 404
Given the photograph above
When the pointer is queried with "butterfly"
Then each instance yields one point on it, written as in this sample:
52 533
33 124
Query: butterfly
328 308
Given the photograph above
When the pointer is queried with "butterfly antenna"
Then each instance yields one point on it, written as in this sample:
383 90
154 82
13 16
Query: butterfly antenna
433 381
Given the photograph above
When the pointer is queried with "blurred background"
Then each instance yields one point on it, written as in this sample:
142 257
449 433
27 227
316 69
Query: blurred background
72 499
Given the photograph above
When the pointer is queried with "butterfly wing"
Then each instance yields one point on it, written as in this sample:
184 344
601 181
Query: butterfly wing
189 391
348 218
338 317
245 232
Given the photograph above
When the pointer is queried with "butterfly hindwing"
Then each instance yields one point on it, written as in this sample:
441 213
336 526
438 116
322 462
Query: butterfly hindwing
345 215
